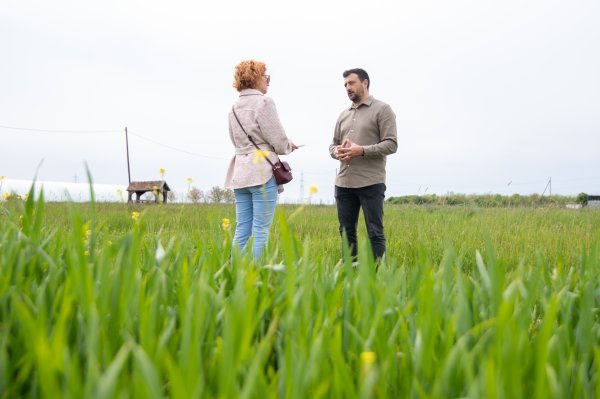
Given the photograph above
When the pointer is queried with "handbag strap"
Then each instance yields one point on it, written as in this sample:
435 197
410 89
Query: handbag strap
249 137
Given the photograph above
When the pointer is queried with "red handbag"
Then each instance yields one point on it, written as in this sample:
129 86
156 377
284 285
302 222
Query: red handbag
282 171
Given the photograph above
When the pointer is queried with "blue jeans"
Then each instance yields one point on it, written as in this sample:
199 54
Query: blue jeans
254 208
349 201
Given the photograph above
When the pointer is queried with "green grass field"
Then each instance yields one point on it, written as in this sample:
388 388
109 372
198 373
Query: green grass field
494 303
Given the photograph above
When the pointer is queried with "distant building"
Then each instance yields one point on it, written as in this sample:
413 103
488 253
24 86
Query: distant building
593 201
159 188
572 205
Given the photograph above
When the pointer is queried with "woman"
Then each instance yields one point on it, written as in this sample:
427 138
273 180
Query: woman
249 174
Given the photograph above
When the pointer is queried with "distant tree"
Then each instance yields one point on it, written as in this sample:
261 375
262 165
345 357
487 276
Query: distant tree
216 194
455 199
582 198
229 196
516 200
171 196
195 195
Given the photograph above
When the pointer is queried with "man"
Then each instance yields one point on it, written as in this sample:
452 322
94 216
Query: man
365 133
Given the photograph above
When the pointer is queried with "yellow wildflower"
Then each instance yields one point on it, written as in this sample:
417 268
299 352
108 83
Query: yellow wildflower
225 223
313 189
155 190
189 179
2 178
162 173
260 156
5 196
135 215
367 360
87 232
25 196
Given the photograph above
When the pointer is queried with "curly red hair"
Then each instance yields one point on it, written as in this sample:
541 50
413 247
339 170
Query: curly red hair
247 74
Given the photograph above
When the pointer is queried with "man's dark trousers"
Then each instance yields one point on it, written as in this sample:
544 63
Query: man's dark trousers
370 198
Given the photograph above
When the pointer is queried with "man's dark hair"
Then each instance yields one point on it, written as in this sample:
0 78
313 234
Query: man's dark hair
361 73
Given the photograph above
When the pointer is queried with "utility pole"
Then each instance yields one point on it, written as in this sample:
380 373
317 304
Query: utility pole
127 148
548 185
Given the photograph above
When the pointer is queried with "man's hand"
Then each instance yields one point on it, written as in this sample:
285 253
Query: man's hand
348 150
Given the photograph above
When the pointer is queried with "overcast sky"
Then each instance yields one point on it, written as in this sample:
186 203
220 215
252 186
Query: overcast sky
490 97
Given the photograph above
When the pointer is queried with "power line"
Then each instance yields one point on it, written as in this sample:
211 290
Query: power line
59 130
108 131
174 148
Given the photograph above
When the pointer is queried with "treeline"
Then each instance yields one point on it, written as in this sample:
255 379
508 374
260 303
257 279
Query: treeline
215 195
485 200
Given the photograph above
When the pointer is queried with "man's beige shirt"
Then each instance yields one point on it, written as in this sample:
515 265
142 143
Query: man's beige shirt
373 126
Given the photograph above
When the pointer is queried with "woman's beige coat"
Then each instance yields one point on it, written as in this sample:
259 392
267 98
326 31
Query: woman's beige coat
258 115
